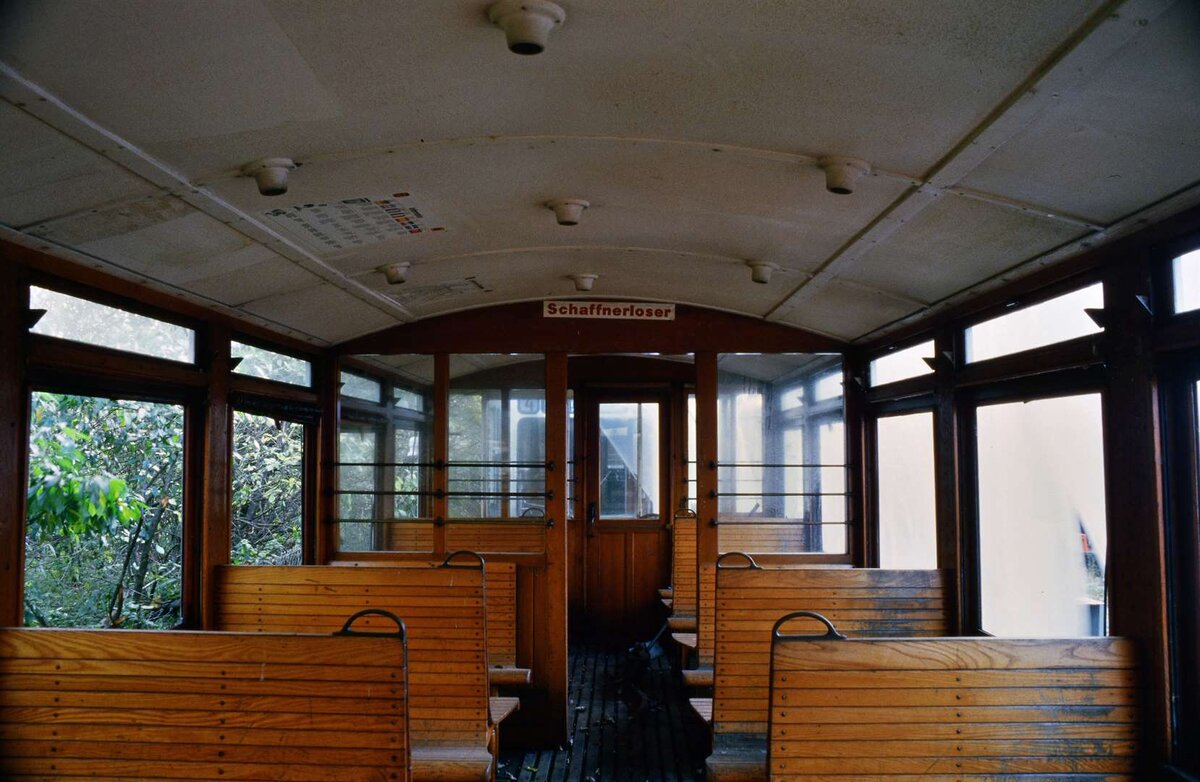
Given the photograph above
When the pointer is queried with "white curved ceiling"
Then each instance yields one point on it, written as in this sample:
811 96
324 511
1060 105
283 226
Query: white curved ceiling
1002 135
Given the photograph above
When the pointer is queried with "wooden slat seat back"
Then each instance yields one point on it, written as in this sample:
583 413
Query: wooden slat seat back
683 566
501 597
953 709
151 705
442 607
863 602
706 620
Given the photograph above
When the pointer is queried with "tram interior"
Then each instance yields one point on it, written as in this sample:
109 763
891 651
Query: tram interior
581 345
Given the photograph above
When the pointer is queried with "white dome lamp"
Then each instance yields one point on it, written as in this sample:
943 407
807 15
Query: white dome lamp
585 281
270 174
396 273
761 271
526 23
842 173
568 211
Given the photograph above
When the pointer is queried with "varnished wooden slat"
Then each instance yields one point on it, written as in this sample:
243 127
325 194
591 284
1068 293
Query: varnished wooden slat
955 653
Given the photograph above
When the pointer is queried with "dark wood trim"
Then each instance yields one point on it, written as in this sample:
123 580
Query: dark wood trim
948 466
706 457
552 668
441 448
902 389
326 531
14 444
526 331
51 354
215 492
256 386
1136 544
1073 354
858 506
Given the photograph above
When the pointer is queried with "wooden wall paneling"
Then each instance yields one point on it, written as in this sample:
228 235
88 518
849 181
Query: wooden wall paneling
14 436
1136 551
214 490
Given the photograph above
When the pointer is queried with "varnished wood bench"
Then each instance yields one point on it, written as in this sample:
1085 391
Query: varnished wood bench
501 599
951 708
153 705
453 733
683 574
750 599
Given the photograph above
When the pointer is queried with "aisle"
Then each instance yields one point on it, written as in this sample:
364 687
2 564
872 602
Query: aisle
616 737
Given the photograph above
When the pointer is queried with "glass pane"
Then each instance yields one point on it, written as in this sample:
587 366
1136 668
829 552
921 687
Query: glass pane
693 486
1050 321
79 320
629 466
360 387
1186 269
907 512
902 364
497 448
357 444
1042 534
104 520
831 484
267 364
410 475
408 399
268 491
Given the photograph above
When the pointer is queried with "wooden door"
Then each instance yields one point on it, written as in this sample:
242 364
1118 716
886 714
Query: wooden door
626 494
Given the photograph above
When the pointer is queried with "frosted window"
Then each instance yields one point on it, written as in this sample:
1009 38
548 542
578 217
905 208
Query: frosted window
1045 323
907 512
80 320
1042 534
1186 272
902 364
267 364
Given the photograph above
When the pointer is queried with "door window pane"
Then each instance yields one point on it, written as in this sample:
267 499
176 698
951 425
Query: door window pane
104 519
907 513
629 450
1042 534
268 491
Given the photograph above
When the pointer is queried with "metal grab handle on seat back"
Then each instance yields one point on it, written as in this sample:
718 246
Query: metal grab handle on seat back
463 553
831 633
348 630
750 563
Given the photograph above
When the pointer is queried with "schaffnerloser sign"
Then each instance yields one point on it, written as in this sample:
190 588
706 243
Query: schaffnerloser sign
610 310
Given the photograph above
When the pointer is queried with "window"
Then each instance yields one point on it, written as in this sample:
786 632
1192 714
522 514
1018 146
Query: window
902 364
905 492
1042 526
268 491
269 365
104 519
80 320
358 454
629 450
358 386
1186 276
1044 323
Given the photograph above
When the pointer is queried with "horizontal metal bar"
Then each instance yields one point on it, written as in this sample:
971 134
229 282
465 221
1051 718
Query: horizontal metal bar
715 494
744 465
777 523
515 521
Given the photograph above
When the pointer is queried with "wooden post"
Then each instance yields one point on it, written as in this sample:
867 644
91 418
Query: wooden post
215 490
706 458
14 437
858 476
1136 555
554 663
946 473
441 450
328 506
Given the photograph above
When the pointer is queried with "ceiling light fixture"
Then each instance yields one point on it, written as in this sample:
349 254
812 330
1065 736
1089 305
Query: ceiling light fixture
761 271
568 210
841 173
526 23
396 273
270 173
585 281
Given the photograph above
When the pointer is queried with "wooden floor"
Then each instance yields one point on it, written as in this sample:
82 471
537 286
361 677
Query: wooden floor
613 736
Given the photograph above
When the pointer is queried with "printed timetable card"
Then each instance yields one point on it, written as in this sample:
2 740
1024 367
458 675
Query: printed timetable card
352 222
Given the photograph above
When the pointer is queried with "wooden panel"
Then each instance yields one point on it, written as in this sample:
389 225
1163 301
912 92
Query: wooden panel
683 567
140 705
769 536
14 439
953 708
707 621
861 602
497 538
443 609
625 568
409 537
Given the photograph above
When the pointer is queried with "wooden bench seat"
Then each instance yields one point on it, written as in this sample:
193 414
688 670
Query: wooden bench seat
750 599
444 610
698 677
952 709
682 624
152 705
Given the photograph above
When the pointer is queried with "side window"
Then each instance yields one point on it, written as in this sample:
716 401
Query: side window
905 492
104 518
268 491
